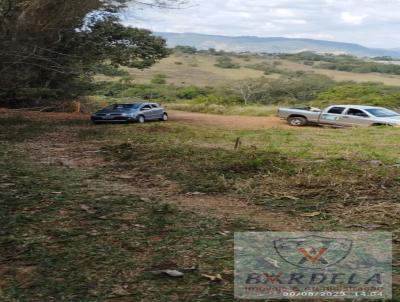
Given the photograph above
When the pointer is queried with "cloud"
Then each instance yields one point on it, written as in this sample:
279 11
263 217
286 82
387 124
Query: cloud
374 23
353 19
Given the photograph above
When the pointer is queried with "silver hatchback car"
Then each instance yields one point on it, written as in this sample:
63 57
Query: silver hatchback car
136 112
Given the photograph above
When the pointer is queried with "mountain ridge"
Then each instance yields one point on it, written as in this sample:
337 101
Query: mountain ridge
273 44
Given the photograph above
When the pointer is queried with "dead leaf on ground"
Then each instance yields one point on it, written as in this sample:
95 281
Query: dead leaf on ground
216 278
168 272
120 291
127 216
224 233
312 214
291 197
194 193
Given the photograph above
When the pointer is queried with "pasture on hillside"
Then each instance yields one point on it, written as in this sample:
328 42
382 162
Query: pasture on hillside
200 70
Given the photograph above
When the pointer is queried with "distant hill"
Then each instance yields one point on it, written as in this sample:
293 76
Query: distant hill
272 45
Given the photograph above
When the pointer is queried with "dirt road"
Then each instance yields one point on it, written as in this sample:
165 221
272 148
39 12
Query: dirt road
230 122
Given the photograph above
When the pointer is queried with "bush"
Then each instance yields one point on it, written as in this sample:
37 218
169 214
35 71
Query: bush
365 93
226 62
294 89
190 92
266 67
185 49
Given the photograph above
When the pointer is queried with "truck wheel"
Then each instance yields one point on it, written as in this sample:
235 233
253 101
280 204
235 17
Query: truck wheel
297 121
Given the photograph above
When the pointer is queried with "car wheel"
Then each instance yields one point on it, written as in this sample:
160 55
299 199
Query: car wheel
141 119
164 118
297 121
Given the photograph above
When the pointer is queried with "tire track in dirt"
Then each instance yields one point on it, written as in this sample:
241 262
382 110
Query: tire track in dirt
204 119
228 121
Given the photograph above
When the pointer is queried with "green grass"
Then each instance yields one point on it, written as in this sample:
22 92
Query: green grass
207 162
78 234
64 241
308 143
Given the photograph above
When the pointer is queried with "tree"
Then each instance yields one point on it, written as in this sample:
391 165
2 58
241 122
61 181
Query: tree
185 49
48 47
250 88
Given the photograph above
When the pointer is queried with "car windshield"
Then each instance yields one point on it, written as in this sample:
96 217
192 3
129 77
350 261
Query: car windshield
382 112
122 107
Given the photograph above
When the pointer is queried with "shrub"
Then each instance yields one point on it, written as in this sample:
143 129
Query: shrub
226 62
190 92
266 67
185 49
364 93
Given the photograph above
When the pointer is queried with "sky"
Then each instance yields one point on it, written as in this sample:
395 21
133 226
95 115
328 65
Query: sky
373 23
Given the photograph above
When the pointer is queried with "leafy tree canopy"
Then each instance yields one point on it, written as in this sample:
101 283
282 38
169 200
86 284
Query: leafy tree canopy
48 48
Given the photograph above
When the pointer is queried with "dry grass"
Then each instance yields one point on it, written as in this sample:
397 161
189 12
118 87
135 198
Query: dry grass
114 201
195 70
199 70
344 76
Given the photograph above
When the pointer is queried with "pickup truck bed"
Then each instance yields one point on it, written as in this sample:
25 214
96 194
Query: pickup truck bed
311 114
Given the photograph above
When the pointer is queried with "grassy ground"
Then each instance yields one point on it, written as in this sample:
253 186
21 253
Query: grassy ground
199 70
88 212
194 70
344 76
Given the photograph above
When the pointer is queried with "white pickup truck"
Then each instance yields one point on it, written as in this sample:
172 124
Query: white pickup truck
341 116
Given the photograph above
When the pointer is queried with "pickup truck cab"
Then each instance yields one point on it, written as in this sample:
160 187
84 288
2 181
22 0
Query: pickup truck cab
341 116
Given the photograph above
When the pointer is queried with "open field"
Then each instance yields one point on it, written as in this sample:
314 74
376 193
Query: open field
194 70
89 211
199 70
345 76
